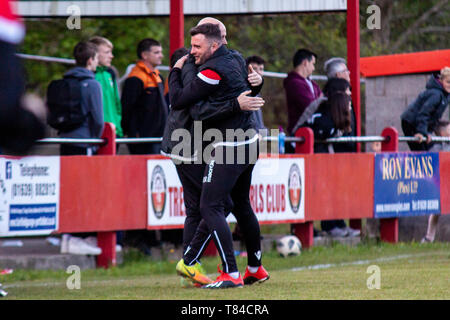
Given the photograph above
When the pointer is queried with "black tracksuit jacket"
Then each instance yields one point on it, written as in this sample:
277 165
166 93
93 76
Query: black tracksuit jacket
218 110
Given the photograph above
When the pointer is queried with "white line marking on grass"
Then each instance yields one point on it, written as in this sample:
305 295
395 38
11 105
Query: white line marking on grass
360 262
60 284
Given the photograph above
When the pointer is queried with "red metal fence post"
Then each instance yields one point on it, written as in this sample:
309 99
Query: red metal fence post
355 224
304 231
353 60
106 240
389 226
307 147
391 142
109 134
176 25
389 230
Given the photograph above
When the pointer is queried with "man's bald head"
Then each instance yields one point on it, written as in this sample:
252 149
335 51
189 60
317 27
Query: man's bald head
223 30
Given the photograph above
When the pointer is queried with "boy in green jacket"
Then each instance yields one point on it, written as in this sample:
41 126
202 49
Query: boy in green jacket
112 108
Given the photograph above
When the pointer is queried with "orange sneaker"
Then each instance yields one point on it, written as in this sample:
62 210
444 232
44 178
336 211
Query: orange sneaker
259 276
195 273
224 280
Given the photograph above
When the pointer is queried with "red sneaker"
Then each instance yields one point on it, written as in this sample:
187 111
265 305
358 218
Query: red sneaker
224 280
259 276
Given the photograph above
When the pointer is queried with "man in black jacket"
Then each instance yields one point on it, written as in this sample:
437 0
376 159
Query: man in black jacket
221 76
144 108
188 160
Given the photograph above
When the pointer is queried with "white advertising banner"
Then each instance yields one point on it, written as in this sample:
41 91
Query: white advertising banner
29 196
277 192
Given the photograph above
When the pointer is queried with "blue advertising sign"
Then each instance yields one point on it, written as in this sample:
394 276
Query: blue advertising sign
406 184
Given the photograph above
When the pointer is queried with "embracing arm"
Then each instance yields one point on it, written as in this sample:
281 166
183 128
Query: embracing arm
221 109
203 85
206 110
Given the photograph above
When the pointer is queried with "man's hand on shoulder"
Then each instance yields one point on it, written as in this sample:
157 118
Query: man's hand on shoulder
249 103
180 63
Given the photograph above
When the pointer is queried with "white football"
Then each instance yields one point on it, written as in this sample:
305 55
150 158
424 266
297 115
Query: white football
289 246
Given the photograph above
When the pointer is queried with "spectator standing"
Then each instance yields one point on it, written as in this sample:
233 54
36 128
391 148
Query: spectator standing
337 68
422 115
144 114
106 75
331 120
338 83
328 122
86 58
144 108
442 130
300 89
112 108
257 64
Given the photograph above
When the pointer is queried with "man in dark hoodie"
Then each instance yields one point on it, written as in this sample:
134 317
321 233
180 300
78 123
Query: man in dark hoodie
86 59
423 115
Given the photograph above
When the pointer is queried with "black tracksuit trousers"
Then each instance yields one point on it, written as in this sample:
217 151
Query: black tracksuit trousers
222 181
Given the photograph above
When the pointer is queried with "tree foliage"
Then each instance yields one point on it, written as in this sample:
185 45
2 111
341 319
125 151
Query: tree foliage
274 37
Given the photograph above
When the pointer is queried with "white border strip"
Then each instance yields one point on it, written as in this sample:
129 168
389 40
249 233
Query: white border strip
162 7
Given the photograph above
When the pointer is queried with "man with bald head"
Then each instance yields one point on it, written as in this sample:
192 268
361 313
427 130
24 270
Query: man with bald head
223 29
254 78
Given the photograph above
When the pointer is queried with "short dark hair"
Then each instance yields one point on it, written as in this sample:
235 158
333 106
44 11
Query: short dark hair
209 30
177 54
303 54
255 59
146 45
83 51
